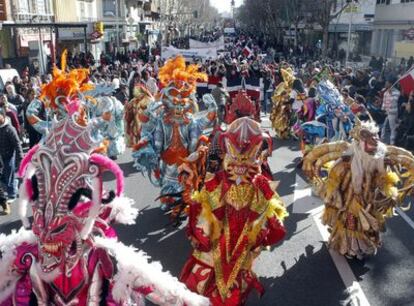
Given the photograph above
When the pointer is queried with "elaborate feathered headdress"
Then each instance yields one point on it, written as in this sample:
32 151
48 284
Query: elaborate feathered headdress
177 72
65 85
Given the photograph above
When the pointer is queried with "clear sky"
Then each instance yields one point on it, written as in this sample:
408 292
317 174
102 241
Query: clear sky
224 5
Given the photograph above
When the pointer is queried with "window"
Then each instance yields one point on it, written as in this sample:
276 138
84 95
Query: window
109 8
3 12
406 1
40 7
23 6
82 9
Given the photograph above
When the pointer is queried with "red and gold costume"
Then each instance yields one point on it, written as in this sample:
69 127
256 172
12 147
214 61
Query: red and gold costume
237 200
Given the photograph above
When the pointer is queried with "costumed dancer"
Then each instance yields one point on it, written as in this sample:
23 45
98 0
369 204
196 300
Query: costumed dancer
208 158
231 219
333 119
333 112
135 114
111 112
282 108
366 180
172 128
41 111
65 259
309 130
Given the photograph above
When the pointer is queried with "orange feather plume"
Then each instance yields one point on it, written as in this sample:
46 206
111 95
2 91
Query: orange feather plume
67 84
175 70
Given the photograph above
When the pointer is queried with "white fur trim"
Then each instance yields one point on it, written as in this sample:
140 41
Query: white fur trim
8 245
135 271
123 211
94 210
370 126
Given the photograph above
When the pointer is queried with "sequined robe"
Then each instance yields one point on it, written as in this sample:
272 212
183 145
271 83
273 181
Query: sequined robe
228 226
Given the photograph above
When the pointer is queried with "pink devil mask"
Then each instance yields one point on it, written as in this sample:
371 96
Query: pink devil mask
62 175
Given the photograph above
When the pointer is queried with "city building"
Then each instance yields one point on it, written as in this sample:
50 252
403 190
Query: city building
357 19
82 15
393 35
7 46
33 44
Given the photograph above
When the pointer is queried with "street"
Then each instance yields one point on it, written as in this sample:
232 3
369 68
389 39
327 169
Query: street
298 271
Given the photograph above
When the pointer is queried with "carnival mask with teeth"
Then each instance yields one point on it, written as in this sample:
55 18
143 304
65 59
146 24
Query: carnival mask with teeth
63 183
242 144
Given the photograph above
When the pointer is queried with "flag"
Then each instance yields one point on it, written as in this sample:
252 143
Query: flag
254 87
247 52
234 84
407 82
213 81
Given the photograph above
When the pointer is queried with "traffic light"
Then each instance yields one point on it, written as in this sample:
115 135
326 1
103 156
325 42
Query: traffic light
195 14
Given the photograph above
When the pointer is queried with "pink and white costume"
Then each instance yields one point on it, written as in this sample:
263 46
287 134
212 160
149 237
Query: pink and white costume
66 258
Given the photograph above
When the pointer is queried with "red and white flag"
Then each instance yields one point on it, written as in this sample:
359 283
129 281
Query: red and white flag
247 52
407 82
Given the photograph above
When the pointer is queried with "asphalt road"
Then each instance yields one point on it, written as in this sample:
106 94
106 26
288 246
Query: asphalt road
298 271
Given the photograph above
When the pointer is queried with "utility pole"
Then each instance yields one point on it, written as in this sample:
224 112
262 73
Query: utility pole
352 6
117 24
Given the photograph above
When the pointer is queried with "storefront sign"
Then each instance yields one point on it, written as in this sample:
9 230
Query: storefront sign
229 30
75 33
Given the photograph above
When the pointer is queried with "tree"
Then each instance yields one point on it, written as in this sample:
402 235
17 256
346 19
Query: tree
323 12
262 18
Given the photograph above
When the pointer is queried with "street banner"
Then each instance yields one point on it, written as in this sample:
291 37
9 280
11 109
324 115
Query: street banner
218 44
189 54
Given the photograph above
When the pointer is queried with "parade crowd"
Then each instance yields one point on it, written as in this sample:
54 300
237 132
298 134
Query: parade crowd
372 90
194 130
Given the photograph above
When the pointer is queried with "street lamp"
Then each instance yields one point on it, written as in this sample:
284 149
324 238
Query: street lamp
117 24
351 6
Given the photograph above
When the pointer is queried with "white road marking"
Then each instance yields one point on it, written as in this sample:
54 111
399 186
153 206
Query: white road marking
357 296
405 217
303 200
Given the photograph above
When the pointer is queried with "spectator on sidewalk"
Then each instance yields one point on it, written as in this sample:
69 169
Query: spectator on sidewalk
390 105
37 113
11 153
375 109
267 90
3 195
14 98
10 113
220 95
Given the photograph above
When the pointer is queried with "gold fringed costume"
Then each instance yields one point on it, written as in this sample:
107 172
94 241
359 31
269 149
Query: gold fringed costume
135 114
365 181
281 109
